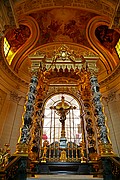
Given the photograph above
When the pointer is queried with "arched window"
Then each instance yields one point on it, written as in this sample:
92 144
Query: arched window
52 126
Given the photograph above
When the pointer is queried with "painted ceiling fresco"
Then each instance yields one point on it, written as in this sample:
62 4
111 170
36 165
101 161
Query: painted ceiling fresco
107 37
62 25
60 22
17 37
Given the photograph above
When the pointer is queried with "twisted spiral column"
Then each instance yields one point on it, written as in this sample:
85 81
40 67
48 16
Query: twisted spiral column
88 118
104 143
105 146
27 117
37 127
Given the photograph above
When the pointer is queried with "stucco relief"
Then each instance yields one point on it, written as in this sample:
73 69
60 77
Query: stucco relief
9 18
64 89
102 6
63 2
48 50
111 97
93 4
110 78
15 97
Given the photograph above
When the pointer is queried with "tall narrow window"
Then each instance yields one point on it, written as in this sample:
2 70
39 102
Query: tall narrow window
6 46
8 51
117 47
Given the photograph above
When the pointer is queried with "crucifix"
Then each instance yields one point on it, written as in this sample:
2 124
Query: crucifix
62 110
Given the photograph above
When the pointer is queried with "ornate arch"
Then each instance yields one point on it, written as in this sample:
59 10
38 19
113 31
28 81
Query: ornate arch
105 56
24 50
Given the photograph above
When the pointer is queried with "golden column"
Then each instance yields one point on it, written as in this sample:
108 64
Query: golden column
27 118
104 144
87 117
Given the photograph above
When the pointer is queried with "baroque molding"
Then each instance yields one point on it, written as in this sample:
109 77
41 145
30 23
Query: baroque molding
110 78
15 97
102 7
111 97
7 6
64 89
50 48
7 16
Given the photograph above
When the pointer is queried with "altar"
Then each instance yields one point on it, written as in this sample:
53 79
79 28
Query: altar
63 122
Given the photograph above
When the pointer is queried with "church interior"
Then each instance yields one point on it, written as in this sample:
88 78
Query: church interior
59 89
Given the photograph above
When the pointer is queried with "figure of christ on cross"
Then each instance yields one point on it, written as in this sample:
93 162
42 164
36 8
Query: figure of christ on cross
62 109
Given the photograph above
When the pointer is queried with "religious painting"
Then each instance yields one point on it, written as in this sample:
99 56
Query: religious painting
107 37
62 25
18 36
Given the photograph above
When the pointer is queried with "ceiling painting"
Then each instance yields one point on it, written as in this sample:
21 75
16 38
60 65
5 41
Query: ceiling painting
17 37
44 25
62 25
107 37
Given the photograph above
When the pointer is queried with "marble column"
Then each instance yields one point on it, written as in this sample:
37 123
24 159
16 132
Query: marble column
27 118
104 143
37 126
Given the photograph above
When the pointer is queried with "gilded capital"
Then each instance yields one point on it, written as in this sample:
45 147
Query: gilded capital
37 62
92 67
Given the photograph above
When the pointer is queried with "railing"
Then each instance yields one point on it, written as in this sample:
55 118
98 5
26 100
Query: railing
115 167
53 153
111 168
15 169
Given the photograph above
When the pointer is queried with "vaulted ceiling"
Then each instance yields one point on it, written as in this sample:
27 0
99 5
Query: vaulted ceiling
88 27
